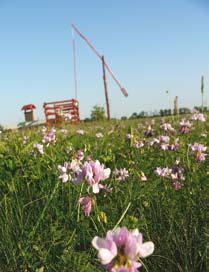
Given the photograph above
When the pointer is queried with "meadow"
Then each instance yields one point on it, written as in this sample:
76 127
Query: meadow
153 176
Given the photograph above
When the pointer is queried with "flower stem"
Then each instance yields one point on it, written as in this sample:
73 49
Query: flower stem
122 216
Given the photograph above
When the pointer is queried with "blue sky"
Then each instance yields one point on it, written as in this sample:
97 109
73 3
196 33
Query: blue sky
151 46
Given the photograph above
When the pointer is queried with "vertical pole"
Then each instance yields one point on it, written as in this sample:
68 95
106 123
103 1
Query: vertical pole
169 101
202 91
105 88
75 75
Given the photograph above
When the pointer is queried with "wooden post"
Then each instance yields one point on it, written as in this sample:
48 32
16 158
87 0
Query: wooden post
105 88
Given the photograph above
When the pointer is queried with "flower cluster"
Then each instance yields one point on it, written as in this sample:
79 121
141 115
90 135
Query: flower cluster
24 139
91 171
129 136
163 172
80 131
120 250
197 116
39 148
198 151
69 171
49 136
64 114
149 132
87 202
142 176
184 126
139 144
167 127
67 115
175 173
164 143
99 135
121 174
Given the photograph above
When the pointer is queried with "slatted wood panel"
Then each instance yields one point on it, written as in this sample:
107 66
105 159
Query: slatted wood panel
58 112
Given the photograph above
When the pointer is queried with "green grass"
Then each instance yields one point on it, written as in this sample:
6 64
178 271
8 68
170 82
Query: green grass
42 227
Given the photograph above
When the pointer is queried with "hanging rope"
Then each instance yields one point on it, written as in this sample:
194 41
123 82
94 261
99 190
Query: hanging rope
74 63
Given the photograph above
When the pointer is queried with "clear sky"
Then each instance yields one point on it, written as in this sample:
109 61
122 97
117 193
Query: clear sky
151 46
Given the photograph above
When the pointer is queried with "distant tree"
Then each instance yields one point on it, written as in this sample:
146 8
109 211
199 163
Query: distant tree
142 114
200 109
134 115
123 118
165 112
155 113
1 128
87 119
184 110
162 112
98 113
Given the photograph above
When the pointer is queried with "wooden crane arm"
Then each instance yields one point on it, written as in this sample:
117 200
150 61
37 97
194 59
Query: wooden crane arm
123 90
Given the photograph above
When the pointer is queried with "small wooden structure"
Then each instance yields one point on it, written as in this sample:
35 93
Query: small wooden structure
66 111
29 114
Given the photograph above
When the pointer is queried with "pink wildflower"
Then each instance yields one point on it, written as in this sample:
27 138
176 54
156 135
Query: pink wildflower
167 127
164 139
93 172
197 150
177 185
68 149
67 116
184 126
121 174
75 166
63 172
143 177
149 131
120 249
99 135
39 147
80 155
197 116
64 131
153 141
129 136
139 144
49 137
24 139
80 131
86 200
163 172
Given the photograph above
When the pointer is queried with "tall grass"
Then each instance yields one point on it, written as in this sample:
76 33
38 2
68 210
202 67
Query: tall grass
43 228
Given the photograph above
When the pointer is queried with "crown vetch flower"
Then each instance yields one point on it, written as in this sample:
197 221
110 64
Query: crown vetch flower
163 172
198 149
86 200
120 249
80 155
99 135
93 172
80 131
184 126
49 137
129 136
64 176
167 127
121 174
38 147
197 116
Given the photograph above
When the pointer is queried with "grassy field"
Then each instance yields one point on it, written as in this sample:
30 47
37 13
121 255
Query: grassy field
158 183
